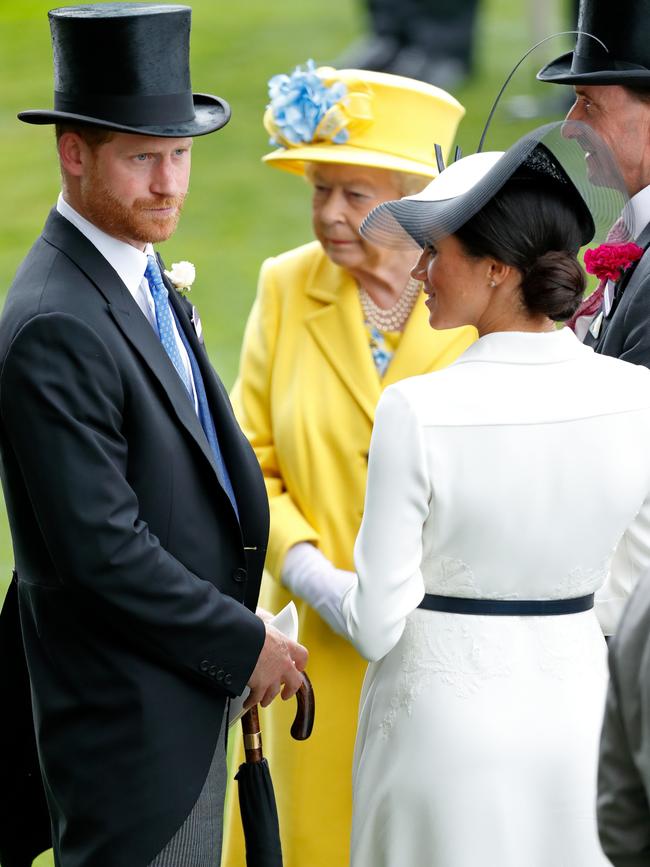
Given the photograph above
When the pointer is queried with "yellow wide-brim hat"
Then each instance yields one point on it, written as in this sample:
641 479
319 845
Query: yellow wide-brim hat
361 118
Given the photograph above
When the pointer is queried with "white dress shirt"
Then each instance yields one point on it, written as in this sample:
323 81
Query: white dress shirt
130 265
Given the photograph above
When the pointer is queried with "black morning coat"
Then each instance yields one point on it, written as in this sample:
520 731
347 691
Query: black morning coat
625 333
135 580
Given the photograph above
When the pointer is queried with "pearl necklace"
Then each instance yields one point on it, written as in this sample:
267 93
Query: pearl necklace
391 318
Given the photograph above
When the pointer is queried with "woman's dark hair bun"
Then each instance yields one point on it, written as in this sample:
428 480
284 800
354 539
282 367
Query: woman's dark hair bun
554 285
538 229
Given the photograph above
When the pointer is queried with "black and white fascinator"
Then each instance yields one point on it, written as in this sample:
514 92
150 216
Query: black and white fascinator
567 155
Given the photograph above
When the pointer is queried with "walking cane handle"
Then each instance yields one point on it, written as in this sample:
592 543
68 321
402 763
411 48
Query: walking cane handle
300 728
304 721
250 724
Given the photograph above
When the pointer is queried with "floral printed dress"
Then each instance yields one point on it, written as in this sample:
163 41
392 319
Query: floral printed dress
382 346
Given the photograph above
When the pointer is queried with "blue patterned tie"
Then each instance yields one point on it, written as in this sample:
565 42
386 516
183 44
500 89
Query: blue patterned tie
164 320
207 423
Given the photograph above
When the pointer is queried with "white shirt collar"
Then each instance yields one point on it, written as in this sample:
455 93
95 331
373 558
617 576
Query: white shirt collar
641 210
129 263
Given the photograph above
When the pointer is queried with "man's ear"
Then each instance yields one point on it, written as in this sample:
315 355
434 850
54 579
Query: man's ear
73 153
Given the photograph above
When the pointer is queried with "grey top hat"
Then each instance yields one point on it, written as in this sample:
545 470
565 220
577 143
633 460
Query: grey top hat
125 66
624 27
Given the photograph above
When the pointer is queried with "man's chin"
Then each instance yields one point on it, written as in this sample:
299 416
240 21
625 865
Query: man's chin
156 230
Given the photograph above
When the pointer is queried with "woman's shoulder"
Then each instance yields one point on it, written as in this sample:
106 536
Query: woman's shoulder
413 393
301 272
424 386
299 260
468 393
621 369
302 267
616 376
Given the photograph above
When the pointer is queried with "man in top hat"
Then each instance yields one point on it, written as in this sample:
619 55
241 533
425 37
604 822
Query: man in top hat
137 508
612 86
611 77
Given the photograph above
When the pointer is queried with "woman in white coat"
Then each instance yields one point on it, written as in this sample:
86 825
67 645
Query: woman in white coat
503 492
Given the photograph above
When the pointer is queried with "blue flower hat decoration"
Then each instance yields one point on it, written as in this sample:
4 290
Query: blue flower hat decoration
303 109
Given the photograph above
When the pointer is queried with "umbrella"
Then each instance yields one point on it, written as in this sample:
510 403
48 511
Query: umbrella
259 813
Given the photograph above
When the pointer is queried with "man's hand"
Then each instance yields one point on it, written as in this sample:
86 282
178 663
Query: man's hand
280 662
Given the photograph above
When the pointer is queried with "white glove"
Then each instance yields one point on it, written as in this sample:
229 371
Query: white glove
309 574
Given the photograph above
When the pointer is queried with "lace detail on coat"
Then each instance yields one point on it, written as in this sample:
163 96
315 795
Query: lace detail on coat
448 576
564 653
461 657
464 654
583 580
451 577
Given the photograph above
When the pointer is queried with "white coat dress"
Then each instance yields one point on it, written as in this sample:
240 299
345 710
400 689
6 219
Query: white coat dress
522 471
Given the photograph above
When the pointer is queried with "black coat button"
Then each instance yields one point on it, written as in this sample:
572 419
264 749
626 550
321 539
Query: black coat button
220 674
205 665
212 671
227 679
239 575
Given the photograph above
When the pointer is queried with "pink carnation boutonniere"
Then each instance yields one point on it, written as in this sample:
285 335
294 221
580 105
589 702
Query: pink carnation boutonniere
609 261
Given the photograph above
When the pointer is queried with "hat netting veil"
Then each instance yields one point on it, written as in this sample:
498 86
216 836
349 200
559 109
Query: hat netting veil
567 156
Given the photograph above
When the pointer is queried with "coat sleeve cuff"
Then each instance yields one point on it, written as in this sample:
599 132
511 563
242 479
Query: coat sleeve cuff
288 527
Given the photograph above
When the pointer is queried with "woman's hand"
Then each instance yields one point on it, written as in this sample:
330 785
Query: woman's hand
308 573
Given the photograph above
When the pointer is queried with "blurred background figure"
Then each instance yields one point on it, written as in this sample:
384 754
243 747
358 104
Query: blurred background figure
431 40
335 321
545 17
624 768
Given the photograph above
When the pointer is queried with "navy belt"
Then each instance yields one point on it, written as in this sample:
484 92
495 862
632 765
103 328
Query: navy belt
507 607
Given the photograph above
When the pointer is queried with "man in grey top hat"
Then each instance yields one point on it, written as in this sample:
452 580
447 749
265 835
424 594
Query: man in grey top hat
611 77
612 86
138 512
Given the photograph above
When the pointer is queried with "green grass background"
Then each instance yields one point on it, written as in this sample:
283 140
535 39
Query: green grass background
239 211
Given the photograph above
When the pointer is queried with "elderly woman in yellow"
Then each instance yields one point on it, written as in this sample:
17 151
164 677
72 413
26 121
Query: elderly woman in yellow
334 323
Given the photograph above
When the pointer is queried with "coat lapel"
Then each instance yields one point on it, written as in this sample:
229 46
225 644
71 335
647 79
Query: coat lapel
237 454
64 236
222 415
630 274
637 272
337 328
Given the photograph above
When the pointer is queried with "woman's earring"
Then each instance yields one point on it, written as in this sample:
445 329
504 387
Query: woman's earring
492 284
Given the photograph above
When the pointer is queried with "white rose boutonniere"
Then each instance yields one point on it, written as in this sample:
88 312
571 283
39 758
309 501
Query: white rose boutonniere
182 275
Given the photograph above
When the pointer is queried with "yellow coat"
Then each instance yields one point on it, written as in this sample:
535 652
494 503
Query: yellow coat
306 398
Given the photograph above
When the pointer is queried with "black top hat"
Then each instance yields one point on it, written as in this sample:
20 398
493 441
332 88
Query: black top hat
624 27
125 66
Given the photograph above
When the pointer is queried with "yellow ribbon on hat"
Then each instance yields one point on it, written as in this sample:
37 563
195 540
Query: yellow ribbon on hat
352 112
